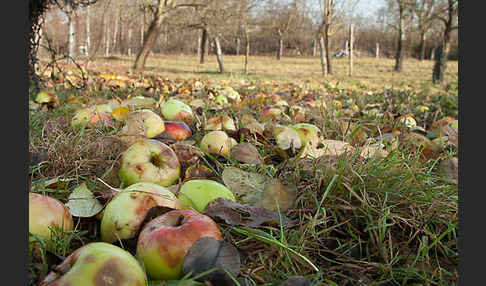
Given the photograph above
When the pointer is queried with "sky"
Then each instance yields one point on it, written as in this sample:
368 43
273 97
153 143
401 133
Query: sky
369 7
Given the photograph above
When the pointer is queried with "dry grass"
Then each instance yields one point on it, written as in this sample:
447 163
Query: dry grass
368 72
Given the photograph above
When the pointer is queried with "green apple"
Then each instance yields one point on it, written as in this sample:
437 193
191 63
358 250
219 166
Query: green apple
127 210
97 263
149 160
307 132
164 241
46 213
196 194
176 110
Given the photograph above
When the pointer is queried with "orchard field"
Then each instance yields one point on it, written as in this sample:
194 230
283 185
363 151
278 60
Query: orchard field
367 196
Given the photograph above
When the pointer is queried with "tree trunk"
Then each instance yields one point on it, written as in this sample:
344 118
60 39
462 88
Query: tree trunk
115 33
314 47
71 37
322 50
351 32
199 45
377 51
204 45
88 39
422 45
238 46
152 34
327 45
142 30
219 54
106 38
399 54
432 54
441 54
247 51
280 48
129 44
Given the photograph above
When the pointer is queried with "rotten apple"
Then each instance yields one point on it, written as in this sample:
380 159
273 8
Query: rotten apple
149 160
124 214
177 130
97 263
164 241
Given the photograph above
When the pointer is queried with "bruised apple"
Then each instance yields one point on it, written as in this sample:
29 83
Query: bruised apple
149 160
307 132
164 241
177 130
97 263
143 122
176 110
47 213
124 214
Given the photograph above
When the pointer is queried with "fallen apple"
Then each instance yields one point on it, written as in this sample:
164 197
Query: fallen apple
149 160
177 130
97 263
143 122
287 137
45 214
196 194
176 110
91 119
217 142
307 132
124 214
164 241
221 122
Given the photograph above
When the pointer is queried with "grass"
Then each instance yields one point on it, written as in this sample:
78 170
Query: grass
380 221
369 72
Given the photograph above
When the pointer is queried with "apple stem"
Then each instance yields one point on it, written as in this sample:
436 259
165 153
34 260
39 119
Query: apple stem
179 220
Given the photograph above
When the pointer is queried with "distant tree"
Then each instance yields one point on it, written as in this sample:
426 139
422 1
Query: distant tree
424 9
447 13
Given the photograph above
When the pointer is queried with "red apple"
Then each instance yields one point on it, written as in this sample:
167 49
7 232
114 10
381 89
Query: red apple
165 240
177 130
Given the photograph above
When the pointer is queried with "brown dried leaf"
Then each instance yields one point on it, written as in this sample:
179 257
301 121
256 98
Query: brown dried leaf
234 213
247 153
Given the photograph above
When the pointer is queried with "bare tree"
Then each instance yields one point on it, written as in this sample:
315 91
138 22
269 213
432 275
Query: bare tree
402 9
159 12
424 9
448 15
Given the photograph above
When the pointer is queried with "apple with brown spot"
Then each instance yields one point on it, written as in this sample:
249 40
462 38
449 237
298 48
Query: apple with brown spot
149 160
177 130
164 241
97 264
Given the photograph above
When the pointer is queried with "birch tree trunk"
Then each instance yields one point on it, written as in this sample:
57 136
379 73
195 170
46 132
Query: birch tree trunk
129 44
314 47
107 39
199 45
219 54
377 51
351 40
247 51
71 37
238 46
88 38
115 30
280 47
322 50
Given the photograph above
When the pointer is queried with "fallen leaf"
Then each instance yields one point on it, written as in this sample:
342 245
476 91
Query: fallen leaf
247 153
82 202
208 253
120 113
235 213
259 190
